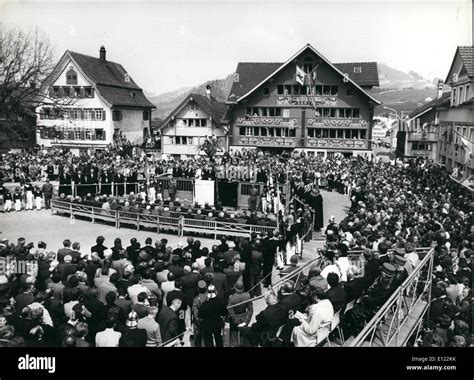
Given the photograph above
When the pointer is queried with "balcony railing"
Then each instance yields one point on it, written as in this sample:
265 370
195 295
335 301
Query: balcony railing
312 142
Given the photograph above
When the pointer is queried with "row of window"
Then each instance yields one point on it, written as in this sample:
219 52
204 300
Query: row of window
72 134
296 89
267 111
460 94
352 113
337 133
72 113
71 92
194 122
420 146
182 140
267 132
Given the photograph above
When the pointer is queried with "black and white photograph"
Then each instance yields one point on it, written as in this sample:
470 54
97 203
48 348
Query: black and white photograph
238 178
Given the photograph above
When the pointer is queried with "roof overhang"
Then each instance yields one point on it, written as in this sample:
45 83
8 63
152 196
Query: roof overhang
307 46
420 113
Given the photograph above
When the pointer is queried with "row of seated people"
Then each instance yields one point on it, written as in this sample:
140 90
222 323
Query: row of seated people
176 209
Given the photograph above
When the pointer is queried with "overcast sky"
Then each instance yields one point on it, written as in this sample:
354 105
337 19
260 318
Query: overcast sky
166 45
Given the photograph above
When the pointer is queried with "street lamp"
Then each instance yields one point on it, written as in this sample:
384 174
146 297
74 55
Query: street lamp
399 126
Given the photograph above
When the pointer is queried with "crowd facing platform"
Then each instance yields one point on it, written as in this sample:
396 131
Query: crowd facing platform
83 296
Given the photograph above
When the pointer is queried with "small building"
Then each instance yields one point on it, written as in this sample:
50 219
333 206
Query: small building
306 104
456 117
187 126
422 129
92 103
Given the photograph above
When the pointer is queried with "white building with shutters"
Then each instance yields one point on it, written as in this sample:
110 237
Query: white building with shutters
187 126
91 103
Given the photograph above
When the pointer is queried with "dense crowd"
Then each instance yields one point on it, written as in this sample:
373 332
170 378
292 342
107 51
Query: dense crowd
395 208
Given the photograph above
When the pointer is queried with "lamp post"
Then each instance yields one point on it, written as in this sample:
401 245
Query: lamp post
399 126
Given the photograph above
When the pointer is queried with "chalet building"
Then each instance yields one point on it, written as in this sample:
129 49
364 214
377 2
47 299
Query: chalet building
420 137
92 103
306 103
186 127
456 117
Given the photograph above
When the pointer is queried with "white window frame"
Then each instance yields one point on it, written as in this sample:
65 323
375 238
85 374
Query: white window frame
77 134
88 134
87 114
100 113
77 114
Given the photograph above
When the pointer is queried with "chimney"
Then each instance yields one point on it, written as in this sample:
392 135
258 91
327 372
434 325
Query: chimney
102 53
440 89
208 92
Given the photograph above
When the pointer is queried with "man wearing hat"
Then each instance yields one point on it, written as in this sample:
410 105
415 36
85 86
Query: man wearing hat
240 312
196 306
211 314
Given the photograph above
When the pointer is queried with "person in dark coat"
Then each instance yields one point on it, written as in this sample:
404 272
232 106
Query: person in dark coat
219 280
317 205
212 314
267 322
189 284
133 336
65 184
167 318
336 293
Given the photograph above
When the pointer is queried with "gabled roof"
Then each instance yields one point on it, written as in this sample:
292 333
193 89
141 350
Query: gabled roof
103 72
429 106
251 74
108 78
466 54
124 97
212 107
258 73
368 75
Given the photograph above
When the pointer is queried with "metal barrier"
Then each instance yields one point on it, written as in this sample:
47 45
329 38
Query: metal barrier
160 222
402 314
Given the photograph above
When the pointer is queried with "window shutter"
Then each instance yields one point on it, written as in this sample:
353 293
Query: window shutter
103 135
103 114
51 92
83 133
82 92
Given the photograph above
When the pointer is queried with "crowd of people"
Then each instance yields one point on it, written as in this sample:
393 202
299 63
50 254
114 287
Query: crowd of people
395 209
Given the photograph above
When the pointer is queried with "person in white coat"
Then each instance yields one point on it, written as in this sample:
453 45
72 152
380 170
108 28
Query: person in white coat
315 326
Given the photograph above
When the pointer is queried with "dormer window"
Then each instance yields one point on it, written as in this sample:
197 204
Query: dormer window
132 94
126 78
357 69
71 76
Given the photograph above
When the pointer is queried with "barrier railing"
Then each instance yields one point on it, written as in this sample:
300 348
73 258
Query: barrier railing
160 222
402 314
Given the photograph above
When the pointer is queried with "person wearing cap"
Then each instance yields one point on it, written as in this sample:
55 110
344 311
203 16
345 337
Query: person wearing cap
197 303
240 312
132 335
38 196
212 314
401 273
332 227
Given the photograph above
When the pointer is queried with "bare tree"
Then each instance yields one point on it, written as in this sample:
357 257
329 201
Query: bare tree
26 59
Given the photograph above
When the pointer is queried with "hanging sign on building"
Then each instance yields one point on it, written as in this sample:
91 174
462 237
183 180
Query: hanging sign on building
291 100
